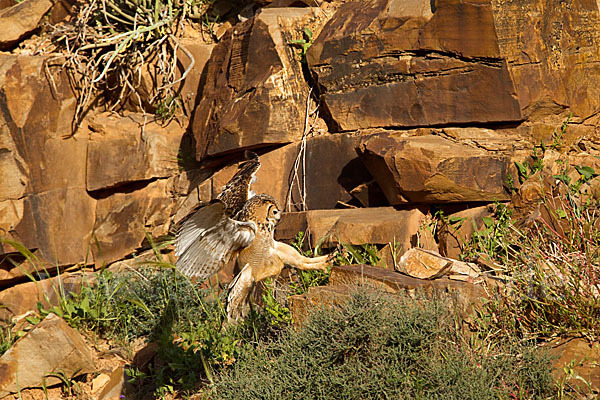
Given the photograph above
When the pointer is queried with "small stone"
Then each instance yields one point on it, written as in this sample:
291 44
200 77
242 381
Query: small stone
425 264
99 382
51 347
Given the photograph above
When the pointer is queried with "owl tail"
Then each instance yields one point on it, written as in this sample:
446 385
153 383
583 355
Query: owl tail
238 299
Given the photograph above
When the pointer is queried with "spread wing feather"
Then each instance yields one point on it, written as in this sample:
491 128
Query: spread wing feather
208 239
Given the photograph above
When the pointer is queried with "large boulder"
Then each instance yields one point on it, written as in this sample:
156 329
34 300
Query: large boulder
385 63
255 93
434 169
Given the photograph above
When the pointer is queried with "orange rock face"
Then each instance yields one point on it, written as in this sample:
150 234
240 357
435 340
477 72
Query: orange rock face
391 63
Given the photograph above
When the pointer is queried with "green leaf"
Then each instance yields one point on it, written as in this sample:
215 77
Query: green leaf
586 172
308 33
561 213
33 320
563 178
522 169
85 305
454 220
56 310
488 222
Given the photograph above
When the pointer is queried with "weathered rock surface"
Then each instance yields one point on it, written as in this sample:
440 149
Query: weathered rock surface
467 295
51 347
390 63
255 94
124 149
380 225
433 169
332 170
18 21
195 79
20 299
552 52
123 219
583 358
427 264
458 228
47 191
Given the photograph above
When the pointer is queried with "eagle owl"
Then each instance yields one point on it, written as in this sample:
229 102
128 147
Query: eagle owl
235 225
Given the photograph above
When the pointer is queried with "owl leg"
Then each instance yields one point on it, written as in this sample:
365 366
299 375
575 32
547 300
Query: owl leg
240 288
292 257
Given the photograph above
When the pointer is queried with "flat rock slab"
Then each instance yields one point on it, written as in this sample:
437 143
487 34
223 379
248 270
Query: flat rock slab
433 169
378 225
426 264
391 63
21 19
51 347
467 295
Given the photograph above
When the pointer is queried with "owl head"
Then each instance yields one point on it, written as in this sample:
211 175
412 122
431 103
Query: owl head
262 209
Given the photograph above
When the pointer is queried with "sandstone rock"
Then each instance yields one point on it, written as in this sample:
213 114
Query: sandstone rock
51 347
123 219
53 213
255 94
467 295
115 387
426 264
129 149
18 21
458 228
552 53
7 3
584 359
433 169
319 296
24 297
357 226
332 170
194 80
369 195
391 63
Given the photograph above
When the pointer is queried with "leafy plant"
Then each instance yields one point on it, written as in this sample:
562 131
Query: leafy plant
348 254
303 44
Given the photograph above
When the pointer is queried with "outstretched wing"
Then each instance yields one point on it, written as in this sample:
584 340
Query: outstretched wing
208 239
236 192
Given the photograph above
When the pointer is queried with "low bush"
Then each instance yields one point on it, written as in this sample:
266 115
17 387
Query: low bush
377 347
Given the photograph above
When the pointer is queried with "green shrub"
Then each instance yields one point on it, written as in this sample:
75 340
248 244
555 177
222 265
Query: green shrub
377 346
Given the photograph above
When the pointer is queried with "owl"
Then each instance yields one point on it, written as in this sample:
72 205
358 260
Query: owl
237 225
